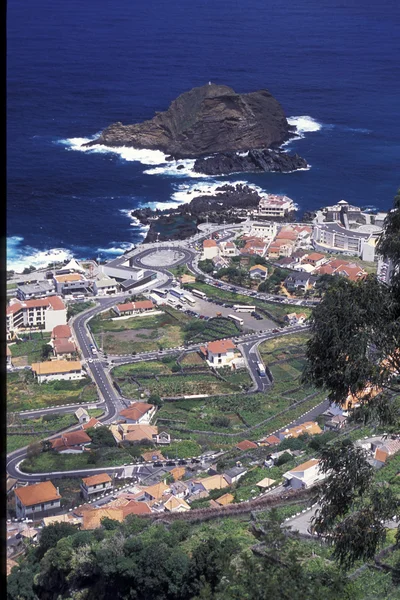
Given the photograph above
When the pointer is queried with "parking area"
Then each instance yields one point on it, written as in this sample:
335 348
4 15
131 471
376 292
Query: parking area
209 308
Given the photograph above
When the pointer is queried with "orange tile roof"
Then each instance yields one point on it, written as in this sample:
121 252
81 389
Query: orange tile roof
307 465
261 267
315 256
225 499
272 439
10 565
92 518
177 473
143 305
381 455
61 331
135 508
309 427
246 445
220 346
215 482
37 493
63 346
54 302
96 479
148 456
136 410
175 503
69 277
157 490
209 243
73 438
92 423
140 432
53 367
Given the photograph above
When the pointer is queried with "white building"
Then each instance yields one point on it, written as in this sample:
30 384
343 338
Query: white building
210 249
37 499
37 289
45 314
82 415
56 370
305 475
220 353
228 249
71 283
96 484
332 237
265 231
275 206
258 272
138 412
105 286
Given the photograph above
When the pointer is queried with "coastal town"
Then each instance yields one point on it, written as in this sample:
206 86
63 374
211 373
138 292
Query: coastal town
168 380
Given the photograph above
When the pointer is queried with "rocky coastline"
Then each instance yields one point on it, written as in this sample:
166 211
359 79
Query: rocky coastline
253 161
229 205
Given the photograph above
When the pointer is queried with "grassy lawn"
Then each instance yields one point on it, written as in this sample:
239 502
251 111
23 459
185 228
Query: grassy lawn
284 347
24 393
141 333
52 461
78 307
215 329
278 311
11 286
29 351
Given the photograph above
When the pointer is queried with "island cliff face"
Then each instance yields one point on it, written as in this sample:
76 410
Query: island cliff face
206 120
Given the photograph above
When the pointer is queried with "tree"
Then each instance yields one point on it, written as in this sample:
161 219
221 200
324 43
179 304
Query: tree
352 509
46 351
33 450
109 524
101 436
155 399
51 534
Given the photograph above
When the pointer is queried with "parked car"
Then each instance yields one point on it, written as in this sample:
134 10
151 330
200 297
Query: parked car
157 464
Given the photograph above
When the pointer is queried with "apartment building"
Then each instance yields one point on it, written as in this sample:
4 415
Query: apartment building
44 313
275 206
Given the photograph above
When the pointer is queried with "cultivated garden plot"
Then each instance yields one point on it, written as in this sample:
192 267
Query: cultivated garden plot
24 393
32 347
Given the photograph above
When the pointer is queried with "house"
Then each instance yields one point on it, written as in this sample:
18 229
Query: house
105 286
254 246
214 482
210 249
310 427
43 314
177 473
62 342
266 230
220 262
315 259
56 370
63 518
179 489
225 499
265 483
71 283
299 280
246 445
335 423
82 415
384 448
37 289
9 356
91 423
219 353
295 318
152 455
233 475
37 499
138 412
258 272
92 518
271 440
162 439
72 442
96 484
227 249
156 491
303 476
127 432
175 504
275 206
132 308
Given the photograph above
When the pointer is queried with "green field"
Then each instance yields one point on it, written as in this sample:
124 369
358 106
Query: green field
277 311
24 393
30 351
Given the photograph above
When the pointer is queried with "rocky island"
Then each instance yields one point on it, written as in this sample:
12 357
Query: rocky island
225 131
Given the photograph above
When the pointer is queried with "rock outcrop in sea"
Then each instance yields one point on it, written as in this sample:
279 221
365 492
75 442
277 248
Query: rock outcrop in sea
212 120
253 161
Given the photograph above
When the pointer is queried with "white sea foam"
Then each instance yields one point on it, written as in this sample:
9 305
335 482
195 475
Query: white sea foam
19 257
118 248
304 124
146 157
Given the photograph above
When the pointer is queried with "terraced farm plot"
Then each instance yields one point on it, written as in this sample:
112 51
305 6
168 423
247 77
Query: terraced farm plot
284 347
24 393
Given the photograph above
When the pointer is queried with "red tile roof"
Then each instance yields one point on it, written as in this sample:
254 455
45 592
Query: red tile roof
209 243
96 479
53 302
37 493
73 438
61 331
220 346
246 445
92 423
63 346
136 411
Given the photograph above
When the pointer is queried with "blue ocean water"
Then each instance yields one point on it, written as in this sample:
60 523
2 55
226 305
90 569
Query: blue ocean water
75 67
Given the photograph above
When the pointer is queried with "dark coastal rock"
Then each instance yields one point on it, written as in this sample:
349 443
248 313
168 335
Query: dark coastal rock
206 120
252 162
